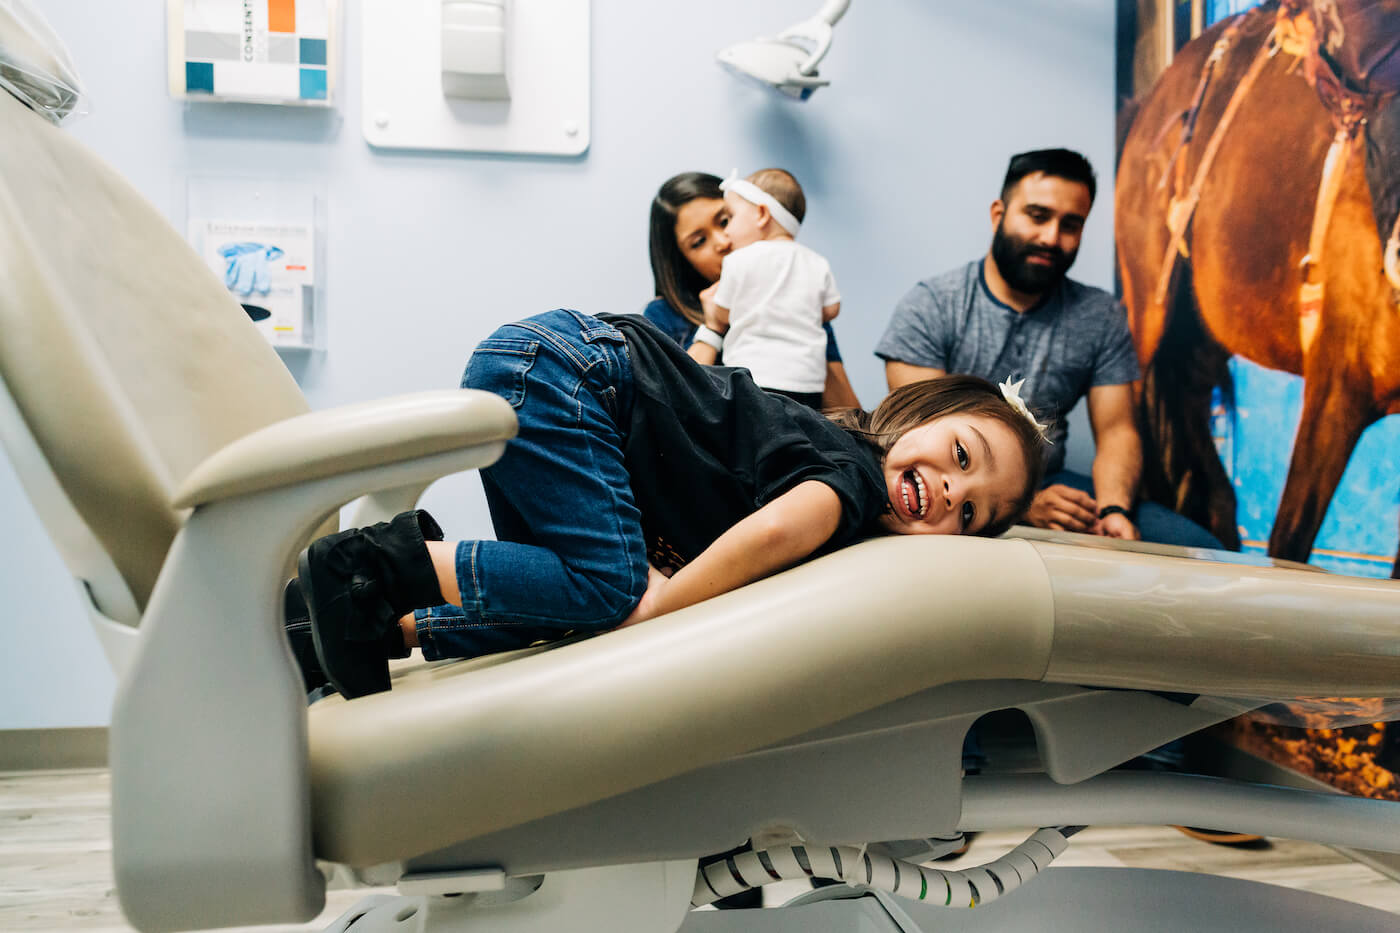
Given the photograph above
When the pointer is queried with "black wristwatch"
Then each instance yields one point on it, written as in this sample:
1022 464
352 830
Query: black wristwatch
1108 510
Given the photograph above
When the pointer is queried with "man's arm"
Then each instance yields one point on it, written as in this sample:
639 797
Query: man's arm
778 535
1117 456
917 339
901 374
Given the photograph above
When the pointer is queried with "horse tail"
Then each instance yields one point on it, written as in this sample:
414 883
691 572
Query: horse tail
1181 468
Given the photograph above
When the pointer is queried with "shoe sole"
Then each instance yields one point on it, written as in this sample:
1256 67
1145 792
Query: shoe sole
296 623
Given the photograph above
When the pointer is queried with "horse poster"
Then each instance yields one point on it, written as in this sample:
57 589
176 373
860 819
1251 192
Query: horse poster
1257 226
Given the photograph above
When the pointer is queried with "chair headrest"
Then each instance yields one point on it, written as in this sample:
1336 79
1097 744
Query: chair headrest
34 65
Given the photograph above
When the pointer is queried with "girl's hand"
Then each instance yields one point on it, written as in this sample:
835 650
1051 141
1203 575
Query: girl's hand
646 609
713 320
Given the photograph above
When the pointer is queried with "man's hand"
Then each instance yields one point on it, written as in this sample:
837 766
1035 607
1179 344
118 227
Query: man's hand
1064 508
1118 525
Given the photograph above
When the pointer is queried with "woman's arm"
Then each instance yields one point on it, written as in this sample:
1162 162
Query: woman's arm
703 353
838 392
676 326
778 535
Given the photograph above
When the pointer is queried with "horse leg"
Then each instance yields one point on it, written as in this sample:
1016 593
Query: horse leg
1335 412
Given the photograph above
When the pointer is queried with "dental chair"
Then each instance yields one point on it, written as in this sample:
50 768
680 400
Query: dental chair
179 472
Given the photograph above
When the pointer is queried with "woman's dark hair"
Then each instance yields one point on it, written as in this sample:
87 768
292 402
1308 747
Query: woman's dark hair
914 404
675 278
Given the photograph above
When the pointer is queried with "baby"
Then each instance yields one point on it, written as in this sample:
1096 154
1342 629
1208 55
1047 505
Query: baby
774 294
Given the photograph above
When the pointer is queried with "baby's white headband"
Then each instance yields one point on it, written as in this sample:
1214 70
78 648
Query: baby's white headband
756 195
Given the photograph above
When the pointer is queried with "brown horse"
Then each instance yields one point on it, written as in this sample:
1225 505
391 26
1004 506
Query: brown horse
1238 292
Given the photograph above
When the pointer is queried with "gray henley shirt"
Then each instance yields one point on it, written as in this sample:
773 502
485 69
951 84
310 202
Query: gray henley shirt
1077 337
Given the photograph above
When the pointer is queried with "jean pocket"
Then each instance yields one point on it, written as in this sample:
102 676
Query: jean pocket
499 366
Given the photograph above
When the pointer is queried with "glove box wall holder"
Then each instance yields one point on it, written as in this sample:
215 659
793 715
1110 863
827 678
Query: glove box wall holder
264 238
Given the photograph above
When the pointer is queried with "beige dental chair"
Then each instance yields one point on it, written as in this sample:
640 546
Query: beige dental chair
178 470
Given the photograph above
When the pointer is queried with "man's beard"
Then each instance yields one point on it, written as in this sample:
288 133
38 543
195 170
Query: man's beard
1011 254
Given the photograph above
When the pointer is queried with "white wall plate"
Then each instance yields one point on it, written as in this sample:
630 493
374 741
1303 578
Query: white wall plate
548 70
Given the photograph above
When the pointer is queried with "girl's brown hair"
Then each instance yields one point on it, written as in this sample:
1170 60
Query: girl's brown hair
917 403
675 278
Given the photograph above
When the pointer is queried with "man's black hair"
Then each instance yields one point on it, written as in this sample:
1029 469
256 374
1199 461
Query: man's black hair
1059 163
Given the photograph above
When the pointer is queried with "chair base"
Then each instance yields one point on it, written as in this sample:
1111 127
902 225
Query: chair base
655 899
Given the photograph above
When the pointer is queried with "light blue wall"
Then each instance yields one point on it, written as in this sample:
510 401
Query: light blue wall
900 159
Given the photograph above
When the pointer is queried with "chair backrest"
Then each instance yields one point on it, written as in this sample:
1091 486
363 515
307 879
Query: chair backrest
121 406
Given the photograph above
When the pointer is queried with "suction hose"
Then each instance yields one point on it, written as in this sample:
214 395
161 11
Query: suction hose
964 888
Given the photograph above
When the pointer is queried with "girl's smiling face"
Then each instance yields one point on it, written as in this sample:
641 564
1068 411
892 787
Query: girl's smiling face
953 475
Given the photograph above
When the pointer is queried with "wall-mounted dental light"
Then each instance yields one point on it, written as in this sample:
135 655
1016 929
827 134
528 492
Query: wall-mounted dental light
787 63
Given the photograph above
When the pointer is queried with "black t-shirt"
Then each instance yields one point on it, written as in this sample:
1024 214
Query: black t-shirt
707 447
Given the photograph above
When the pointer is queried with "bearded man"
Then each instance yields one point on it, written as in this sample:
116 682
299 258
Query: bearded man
1015 315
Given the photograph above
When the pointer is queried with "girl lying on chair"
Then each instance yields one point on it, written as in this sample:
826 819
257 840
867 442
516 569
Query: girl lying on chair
632 457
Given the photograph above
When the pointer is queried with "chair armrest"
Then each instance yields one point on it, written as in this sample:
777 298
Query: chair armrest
210 786
351 437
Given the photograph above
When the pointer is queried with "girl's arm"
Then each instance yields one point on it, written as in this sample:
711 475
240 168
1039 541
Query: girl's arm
778 535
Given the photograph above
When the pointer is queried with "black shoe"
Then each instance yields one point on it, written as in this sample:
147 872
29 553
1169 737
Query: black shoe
296 621
357 584
1225 837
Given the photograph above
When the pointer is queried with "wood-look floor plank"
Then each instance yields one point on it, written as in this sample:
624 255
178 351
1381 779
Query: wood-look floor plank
56 871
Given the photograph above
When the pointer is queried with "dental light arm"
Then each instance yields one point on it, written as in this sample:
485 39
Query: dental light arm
788 62
817 30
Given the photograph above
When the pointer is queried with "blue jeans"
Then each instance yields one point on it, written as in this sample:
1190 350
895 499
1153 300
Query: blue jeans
570 556
1156 523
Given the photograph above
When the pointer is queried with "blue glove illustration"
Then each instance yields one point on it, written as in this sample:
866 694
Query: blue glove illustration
248 269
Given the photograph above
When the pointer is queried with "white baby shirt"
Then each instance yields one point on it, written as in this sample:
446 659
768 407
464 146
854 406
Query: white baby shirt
775 291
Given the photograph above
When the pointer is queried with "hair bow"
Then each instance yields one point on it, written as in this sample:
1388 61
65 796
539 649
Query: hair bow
1011 391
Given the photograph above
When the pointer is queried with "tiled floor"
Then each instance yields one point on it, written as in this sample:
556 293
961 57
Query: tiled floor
55 848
